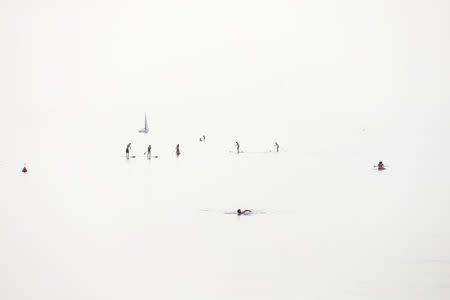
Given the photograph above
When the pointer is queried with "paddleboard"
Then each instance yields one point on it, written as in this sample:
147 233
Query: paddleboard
134 156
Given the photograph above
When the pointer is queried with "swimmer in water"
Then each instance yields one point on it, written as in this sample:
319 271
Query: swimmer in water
239 212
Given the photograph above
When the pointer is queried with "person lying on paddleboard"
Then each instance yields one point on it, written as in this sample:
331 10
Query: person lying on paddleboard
239 212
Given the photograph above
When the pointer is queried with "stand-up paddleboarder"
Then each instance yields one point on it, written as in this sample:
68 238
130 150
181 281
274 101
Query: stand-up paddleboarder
238 147
178 150
277 146
149 151
127 151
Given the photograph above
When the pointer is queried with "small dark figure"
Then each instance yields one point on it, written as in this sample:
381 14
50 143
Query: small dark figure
178 150
238 147
24 170
239 212
204 138
277 146
380 166
149 152
127 151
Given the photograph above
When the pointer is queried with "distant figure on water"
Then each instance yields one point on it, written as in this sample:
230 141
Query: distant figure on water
204 138
178 150
24 170
277 146
239 212
380 166
238 148
149 151
127 151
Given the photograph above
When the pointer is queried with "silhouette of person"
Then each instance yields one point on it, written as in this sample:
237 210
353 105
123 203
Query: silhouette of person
149 151
127 151
239 212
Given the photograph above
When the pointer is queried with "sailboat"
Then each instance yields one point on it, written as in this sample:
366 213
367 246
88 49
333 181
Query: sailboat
145 129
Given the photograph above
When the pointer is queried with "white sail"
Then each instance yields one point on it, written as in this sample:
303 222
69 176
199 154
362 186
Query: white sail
145 129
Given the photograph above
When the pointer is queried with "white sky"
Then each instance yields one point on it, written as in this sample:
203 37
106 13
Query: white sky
221 64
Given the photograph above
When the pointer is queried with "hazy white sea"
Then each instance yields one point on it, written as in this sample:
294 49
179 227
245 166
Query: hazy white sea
89 224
